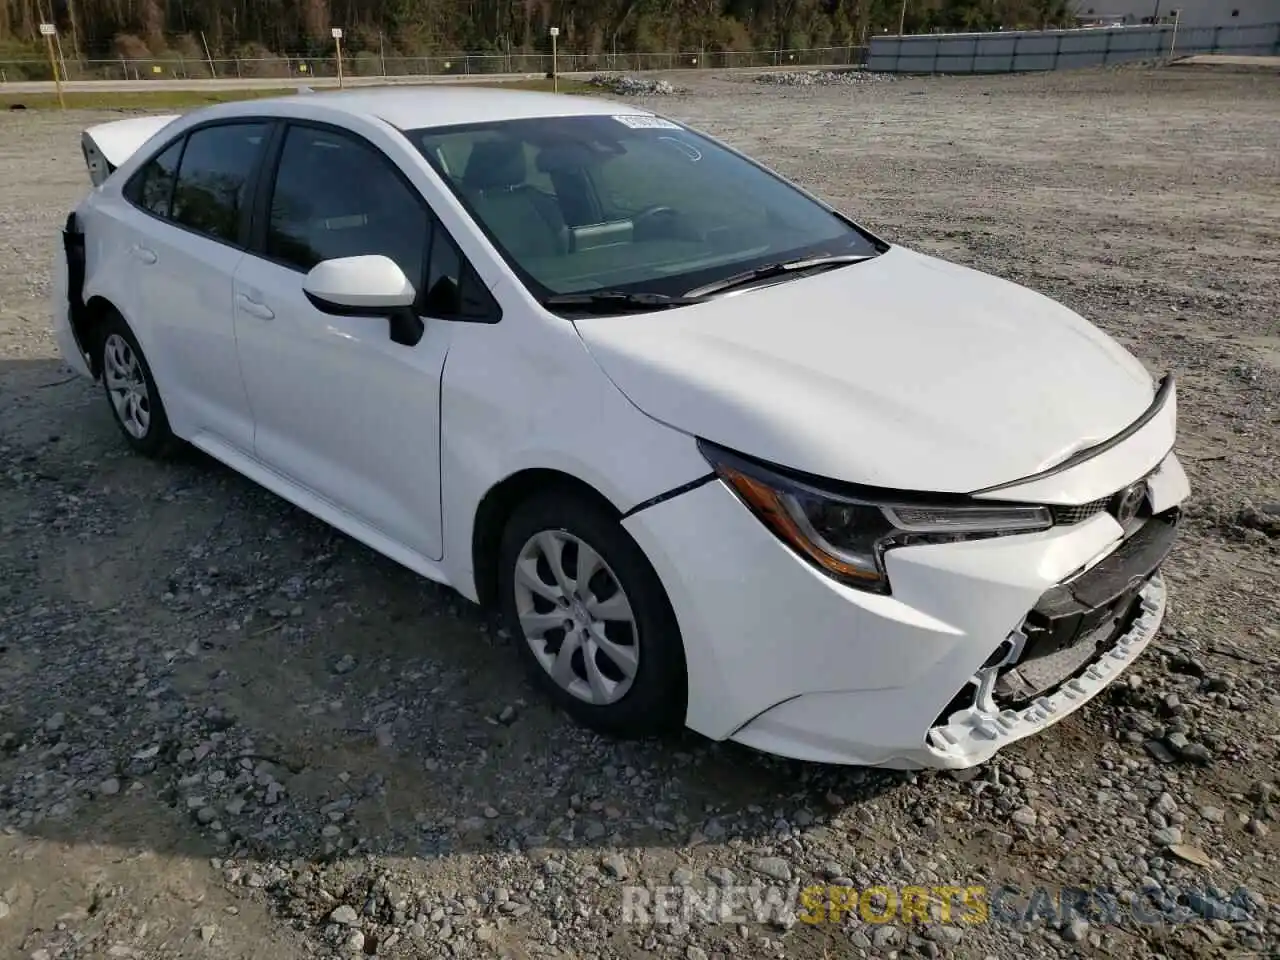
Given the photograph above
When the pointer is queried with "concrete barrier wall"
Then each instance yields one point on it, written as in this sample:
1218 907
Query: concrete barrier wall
1018 51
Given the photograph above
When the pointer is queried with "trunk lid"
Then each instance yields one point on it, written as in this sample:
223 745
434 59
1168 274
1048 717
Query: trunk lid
106 146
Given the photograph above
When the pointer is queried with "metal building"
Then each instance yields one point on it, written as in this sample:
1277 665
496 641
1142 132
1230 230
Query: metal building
1191 13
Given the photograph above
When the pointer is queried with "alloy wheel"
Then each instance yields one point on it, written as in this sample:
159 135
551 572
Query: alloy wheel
576 617
127 386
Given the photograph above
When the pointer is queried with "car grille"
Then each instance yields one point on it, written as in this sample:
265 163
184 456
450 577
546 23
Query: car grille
1065 516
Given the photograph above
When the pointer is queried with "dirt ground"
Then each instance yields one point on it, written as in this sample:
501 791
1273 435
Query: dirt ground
229 732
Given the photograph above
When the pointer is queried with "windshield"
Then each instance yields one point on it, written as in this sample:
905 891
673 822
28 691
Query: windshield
627 204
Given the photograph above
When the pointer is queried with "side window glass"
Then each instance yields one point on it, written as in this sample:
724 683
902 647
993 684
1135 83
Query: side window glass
214 177
453 288
337 196
152 187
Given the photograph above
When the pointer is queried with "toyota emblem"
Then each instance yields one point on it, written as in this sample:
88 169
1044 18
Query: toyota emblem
1128 502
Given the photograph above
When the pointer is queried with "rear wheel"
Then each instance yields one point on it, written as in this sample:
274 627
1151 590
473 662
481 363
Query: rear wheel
593 624
131 390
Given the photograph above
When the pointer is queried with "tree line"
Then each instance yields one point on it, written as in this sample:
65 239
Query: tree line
246 28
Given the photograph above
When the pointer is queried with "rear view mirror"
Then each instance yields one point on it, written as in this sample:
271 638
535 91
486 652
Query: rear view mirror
366 286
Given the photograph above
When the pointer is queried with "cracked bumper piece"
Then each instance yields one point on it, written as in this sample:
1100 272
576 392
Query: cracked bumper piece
969 736
973 734
980 644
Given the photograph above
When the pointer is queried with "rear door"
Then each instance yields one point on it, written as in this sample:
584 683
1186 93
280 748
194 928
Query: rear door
192 203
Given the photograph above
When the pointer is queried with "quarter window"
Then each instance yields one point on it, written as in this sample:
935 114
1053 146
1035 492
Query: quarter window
154 190
213 178
453 287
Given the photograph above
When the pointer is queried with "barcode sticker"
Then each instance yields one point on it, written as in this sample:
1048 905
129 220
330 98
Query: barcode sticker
646 121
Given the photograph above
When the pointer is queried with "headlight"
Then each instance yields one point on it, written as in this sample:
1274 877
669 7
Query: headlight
848 536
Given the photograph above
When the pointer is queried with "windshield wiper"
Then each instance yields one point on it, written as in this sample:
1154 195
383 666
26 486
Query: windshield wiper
616 301
776 270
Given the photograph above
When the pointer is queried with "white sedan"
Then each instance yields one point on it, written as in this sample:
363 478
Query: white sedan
723 457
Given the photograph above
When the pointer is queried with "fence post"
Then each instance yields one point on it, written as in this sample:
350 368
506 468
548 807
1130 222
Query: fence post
1057 51
1106 49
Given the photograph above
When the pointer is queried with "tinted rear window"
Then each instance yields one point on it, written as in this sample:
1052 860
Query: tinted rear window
213 178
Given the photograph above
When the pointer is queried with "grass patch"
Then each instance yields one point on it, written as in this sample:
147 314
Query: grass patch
133 100
191 99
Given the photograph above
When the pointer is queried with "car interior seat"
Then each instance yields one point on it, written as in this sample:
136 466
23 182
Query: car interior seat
525 220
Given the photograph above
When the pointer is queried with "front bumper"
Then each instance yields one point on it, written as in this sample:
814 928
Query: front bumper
784 659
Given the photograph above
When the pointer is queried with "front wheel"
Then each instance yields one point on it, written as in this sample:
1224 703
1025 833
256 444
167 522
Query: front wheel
593 624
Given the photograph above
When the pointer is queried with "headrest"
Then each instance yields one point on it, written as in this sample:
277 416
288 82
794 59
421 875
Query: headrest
564 157
495 163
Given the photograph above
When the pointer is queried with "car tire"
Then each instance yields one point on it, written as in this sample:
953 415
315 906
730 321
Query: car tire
131 390
623 624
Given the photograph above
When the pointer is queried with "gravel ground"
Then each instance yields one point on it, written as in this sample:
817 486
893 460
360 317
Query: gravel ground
630 85
227 732
824 78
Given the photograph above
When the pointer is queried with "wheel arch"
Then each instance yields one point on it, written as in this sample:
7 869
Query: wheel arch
87 326
497 506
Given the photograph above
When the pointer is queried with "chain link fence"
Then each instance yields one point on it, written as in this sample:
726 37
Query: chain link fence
372 64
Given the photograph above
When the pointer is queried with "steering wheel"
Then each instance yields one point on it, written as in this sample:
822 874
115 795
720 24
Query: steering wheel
649 219
648 213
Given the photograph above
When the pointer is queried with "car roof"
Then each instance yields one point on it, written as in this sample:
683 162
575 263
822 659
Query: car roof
437 105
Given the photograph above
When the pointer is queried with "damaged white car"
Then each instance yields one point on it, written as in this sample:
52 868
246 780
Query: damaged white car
723 457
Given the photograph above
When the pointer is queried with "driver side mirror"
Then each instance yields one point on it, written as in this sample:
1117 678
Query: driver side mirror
366 286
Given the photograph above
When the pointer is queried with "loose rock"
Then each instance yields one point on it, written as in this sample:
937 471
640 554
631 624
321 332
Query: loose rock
824 78
630 86
345 915
773 867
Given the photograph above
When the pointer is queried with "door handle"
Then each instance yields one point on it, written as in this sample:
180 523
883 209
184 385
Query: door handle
254 308
142 254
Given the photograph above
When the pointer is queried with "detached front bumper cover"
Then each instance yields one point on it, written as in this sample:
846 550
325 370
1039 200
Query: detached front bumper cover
973 735
1068 647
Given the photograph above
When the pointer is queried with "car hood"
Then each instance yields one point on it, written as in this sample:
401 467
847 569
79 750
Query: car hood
904 371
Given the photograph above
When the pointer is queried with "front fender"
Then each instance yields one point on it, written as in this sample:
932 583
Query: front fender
530 397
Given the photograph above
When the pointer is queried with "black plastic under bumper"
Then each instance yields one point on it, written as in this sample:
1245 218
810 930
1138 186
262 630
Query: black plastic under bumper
73 248
1126 567
1075 621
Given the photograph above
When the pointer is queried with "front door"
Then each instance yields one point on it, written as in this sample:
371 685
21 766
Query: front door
339 408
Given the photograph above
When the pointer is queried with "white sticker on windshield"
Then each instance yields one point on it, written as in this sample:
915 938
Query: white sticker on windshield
646 121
